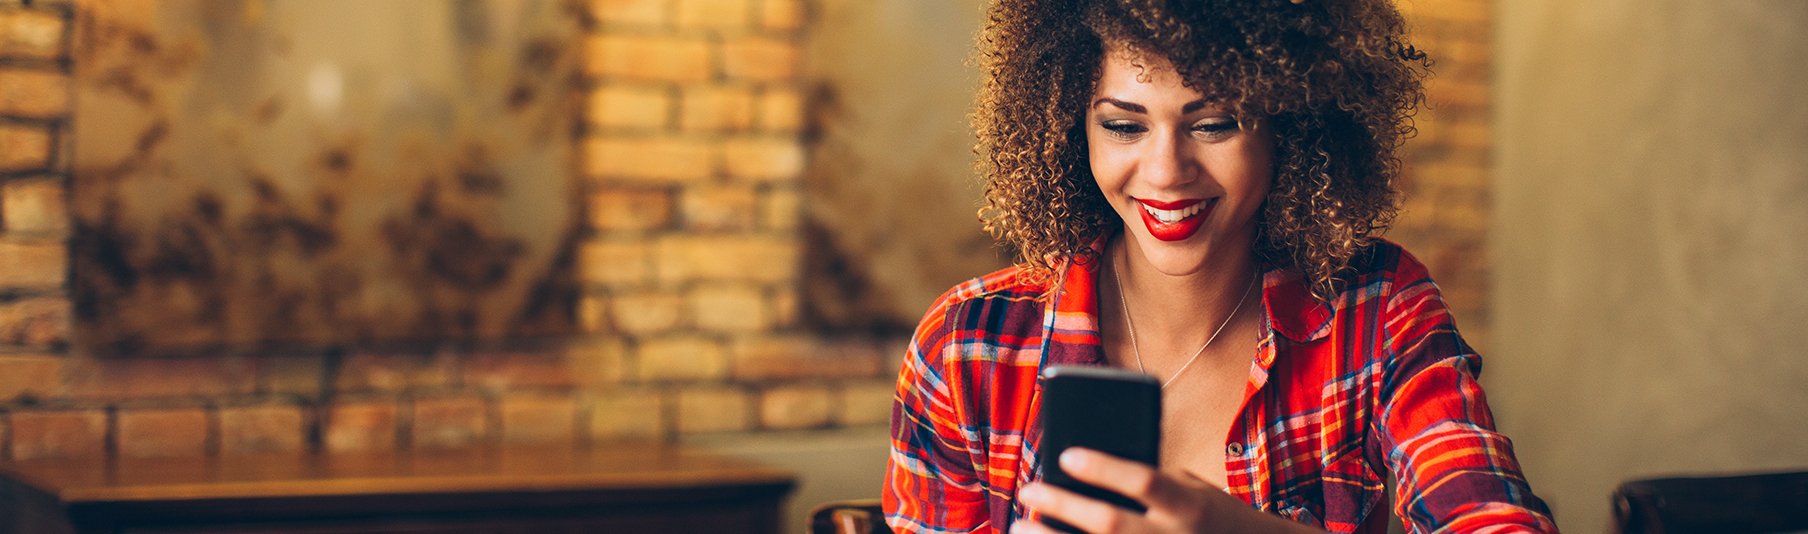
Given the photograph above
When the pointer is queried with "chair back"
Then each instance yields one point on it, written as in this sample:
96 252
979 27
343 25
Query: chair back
863 516
1748 504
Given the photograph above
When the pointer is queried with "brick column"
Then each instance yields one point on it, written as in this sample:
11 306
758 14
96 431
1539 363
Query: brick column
1449 166
34 226
693 159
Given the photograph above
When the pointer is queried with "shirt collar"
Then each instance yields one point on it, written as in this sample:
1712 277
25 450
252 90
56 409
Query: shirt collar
1291 309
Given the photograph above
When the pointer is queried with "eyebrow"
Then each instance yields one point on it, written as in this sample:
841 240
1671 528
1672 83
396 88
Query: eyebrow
1190 107
1126 106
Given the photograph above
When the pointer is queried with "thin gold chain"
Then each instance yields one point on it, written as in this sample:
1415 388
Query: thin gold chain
1116 276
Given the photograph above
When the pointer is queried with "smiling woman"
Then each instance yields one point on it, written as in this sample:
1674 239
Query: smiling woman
1154 162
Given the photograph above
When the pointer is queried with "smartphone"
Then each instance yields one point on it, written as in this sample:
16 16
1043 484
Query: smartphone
1113 411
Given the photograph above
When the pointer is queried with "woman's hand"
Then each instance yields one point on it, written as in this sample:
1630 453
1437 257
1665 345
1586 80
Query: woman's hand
1177 504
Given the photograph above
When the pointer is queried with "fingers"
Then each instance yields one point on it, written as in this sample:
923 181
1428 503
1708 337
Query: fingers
1131 479
1025 526
1085 513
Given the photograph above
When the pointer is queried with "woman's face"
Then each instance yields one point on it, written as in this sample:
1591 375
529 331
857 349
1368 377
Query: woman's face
1186 175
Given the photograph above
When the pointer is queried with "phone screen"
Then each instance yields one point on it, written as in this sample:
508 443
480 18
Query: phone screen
1110 410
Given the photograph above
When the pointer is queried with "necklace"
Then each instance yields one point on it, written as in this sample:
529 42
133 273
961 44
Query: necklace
1125 303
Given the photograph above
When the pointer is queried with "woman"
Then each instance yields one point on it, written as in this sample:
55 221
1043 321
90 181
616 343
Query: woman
1196 187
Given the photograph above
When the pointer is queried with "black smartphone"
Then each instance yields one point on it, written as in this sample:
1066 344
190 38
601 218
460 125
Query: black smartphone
1113 411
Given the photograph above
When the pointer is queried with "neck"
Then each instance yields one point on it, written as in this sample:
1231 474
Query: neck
1176 313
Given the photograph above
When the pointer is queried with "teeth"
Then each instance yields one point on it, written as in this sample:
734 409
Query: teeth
1171 216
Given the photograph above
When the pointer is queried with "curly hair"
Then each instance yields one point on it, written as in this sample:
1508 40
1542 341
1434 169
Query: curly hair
1335 79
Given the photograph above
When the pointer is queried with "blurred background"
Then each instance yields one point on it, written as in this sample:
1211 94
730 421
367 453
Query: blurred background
236 227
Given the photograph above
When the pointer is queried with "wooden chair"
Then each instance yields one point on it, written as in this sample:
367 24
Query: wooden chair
1749 504
863 516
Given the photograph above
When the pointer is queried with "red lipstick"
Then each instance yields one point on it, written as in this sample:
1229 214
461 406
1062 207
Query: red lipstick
1177 230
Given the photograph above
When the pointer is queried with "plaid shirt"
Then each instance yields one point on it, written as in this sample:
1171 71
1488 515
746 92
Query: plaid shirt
1338 397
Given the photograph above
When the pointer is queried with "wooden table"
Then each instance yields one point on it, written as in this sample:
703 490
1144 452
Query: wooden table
646 488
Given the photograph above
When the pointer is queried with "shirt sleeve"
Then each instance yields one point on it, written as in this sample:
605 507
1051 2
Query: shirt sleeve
1454 472
931 485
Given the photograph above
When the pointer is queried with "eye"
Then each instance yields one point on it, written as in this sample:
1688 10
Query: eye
1216 127
1124 129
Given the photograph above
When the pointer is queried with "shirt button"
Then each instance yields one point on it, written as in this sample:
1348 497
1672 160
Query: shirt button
1235 449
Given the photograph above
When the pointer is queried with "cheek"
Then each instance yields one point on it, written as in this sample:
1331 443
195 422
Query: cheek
1256 169
1107 169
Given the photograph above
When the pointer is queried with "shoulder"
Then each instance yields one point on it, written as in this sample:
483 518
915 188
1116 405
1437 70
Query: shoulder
1008 286
1384 260
997 312
1384 287
1386 274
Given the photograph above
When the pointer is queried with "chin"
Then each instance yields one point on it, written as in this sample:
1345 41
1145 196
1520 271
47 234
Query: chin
1180 258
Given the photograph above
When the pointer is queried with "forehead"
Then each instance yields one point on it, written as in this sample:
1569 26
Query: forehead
1130 75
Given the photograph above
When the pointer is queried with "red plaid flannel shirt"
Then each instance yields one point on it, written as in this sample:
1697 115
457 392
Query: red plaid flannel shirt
1338 396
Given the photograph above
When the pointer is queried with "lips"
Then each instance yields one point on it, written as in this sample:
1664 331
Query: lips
1174 220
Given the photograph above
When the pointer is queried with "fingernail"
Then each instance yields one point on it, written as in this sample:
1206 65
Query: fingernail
1073 459
1032 493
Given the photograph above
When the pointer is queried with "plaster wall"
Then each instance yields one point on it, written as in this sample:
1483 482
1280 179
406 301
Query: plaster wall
1651 242
891 192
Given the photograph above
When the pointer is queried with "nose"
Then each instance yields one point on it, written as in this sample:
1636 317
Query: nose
1167 162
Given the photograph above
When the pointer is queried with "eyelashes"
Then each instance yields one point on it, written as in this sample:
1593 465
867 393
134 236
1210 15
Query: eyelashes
1210 129
1124 129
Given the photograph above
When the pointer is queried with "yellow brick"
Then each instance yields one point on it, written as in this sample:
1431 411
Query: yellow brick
629 209
34 94
23 148
593 313
649 58
729 308
763 159
715 108
1466 135
718 208
630 107
781 209
643 313
1468 50
35 375
867 403
784 15
1451 175
32 265
1461 216
786 307
759 59
713 14
615 262
597 362
1444 93
34 206
793 407
781 110
682 358
1443 10
632 414
37 322
33 34
729 258
712 410
656 159
629 12
536 418
793 356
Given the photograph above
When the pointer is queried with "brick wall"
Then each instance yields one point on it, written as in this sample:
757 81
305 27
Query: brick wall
691 162
690 158
1449 166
